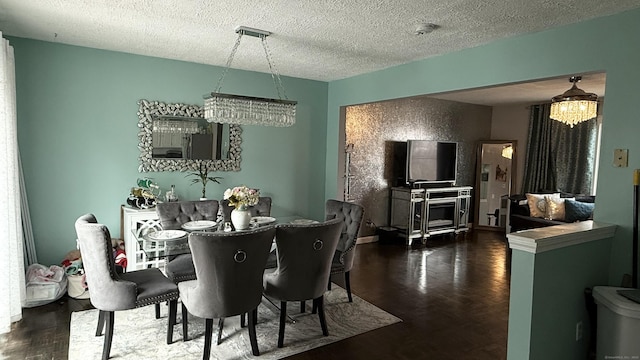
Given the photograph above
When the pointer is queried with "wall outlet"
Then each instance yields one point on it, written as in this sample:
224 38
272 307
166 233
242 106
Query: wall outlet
578 330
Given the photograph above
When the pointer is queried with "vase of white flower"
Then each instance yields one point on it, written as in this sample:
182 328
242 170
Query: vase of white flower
241 218
241 198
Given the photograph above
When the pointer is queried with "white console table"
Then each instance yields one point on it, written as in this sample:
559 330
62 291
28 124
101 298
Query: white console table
134 223
418 213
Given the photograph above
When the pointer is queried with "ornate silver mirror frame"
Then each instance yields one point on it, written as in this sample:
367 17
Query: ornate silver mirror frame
149 109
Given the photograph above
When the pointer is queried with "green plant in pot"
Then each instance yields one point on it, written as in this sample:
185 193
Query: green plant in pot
202 176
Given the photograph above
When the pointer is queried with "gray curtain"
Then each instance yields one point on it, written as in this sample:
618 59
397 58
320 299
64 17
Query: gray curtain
558 157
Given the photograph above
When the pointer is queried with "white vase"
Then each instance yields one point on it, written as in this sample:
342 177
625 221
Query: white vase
241 218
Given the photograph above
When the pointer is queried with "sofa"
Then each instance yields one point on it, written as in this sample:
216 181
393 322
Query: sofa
553 209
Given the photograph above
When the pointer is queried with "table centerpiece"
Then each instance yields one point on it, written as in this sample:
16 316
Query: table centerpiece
241 198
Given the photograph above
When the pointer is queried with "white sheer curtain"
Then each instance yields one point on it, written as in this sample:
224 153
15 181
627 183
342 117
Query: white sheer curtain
12 285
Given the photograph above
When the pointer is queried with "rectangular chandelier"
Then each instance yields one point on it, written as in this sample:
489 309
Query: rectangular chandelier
246 110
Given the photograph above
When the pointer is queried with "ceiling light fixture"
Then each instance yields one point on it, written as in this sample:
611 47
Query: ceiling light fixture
247 110
575 105
507 151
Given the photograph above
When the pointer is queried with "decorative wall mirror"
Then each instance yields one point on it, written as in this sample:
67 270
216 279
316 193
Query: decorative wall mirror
175 137
495 179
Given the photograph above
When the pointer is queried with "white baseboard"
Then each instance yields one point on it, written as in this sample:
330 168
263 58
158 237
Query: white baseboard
367 239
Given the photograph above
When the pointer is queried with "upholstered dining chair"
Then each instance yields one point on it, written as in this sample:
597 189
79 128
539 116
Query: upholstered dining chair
262 208
304 263
112 292
229 268
351 216
172 216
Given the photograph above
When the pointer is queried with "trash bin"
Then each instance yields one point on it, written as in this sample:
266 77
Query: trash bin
618 324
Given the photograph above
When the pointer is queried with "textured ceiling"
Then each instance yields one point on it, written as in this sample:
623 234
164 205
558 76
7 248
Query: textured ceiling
321 40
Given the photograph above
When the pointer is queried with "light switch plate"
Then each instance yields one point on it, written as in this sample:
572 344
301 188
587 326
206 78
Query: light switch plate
620 157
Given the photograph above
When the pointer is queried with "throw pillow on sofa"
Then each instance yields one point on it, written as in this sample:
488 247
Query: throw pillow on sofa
578 211
538 204
556 208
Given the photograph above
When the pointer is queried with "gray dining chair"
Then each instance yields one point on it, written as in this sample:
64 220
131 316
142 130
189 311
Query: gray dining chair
172 216
229 268
351 216
111 291
304 264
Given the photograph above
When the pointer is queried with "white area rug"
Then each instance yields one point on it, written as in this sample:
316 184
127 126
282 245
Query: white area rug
139 335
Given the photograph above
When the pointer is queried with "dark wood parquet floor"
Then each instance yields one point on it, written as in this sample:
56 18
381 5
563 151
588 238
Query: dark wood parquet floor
452 295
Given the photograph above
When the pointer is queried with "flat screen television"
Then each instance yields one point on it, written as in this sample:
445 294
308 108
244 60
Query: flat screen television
429 161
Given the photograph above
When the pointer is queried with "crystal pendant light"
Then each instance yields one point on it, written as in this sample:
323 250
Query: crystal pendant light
575 105
247 110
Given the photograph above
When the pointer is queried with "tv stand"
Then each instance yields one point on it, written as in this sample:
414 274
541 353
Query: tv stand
431 184
418 213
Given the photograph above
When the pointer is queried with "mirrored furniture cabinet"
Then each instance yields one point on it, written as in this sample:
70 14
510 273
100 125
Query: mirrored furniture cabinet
419 213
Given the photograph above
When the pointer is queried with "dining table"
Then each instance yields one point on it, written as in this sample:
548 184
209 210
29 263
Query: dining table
159 243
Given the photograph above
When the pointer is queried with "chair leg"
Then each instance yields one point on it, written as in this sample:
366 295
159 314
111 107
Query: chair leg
100 326
220 326
329 284
314 308
253 315
323 323
347 284
242 320
185 333
283 319
208 333
158 311
276 306
173 309
108 336
302 306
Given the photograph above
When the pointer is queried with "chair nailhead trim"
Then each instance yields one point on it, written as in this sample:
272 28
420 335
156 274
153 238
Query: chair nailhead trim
158 299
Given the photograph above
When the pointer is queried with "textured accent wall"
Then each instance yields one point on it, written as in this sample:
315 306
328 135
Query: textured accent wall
370 127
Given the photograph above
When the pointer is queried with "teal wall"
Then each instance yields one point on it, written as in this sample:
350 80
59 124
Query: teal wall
558 298
77 133
520 305
547 300
604 44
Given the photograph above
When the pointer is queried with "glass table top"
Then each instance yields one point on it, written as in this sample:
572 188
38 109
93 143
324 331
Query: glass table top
156 243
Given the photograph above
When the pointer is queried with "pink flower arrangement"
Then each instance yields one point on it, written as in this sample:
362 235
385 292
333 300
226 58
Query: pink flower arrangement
241 196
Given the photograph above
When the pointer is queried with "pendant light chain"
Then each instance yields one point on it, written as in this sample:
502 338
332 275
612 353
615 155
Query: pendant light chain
274 71
229 61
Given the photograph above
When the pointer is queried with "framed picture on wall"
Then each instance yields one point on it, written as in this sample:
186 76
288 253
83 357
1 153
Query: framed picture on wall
501 175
